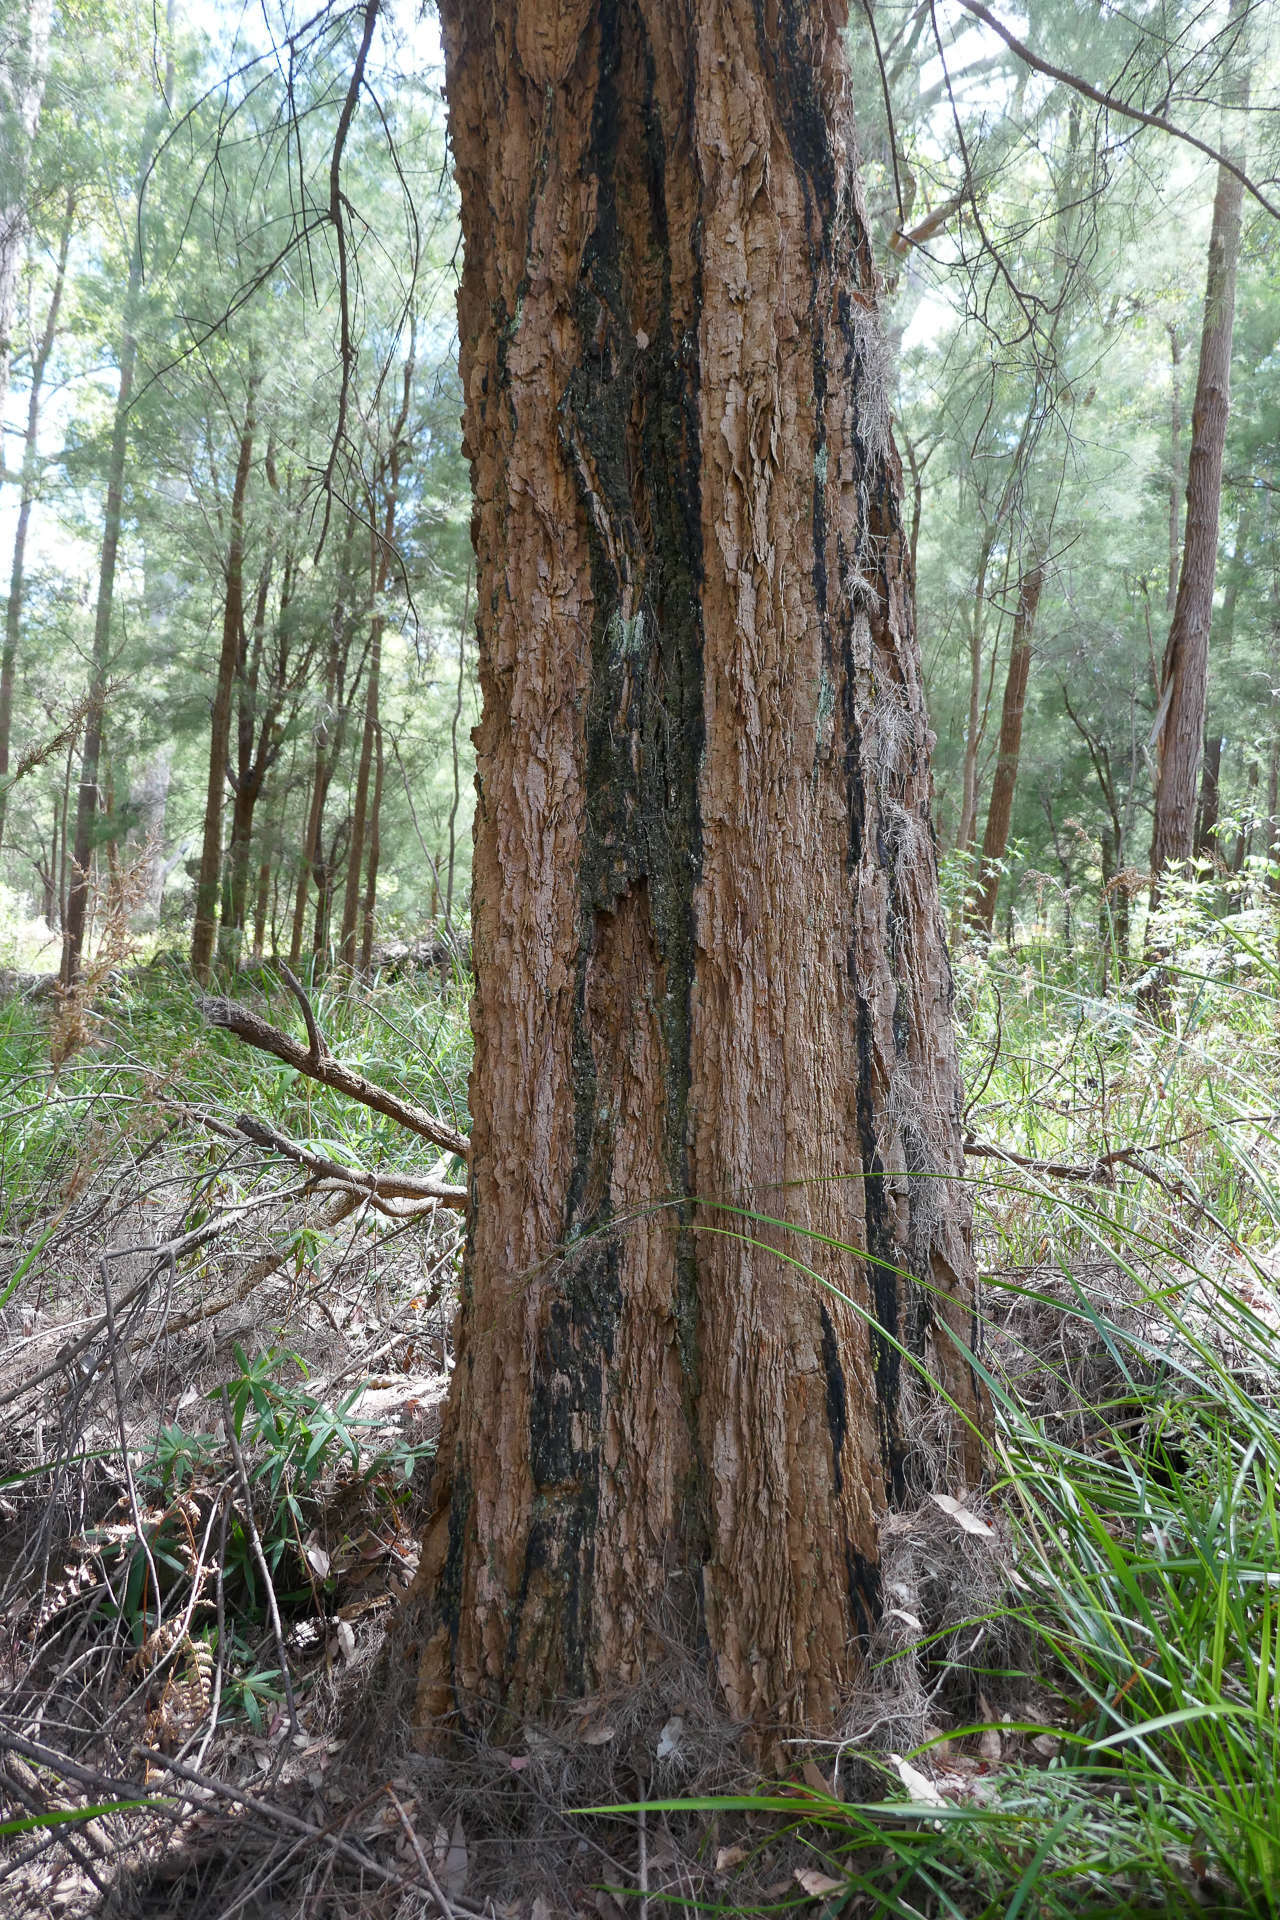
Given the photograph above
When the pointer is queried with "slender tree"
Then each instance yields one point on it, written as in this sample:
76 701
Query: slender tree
709 958
29 479
382 552
24 65
233 640
995 841
1184 676
88 799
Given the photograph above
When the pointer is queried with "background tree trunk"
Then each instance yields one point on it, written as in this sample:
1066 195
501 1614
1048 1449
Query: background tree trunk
86 815
369 909
202 932
1205 844
1176 478
24 63
1184 675
995 840
709 958
30 466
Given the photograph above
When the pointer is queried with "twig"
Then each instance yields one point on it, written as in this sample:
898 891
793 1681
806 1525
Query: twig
343 1204
166 1255
1095 1173
233 1441
437 1893
423 1187
991 1063
246 1026
1109 100
644 1868
319 1051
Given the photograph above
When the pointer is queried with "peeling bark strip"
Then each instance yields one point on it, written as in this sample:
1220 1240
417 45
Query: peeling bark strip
709 959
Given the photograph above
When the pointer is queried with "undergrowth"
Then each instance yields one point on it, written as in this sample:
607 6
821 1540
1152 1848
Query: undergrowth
1077 1710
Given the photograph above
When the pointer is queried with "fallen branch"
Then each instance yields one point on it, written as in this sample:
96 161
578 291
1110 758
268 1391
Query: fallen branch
1090 1173
1099 1172
246 1026
382 1189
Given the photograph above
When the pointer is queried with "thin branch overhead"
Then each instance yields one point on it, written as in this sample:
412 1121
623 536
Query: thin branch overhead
1113 104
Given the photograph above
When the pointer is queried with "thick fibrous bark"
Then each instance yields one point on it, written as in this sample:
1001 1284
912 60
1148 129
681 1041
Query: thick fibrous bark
995 840
709 960
1184 676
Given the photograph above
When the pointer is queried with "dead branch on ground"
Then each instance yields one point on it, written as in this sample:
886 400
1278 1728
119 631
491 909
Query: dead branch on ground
319 1065
416 1192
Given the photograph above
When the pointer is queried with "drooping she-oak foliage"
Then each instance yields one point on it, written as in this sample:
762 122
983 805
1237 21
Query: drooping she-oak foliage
709 964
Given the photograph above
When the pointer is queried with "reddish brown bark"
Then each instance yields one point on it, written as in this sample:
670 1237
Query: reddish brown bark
709 961
1184 675
995 840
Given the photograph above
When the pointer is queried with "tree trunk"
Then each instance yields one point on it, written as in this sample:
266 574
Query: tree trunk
1244 832
329 734
149 800
379 573
30 460
368 911
24 63
974 725
202 932
252 713
1185 673
86 819
360 812
708 949
1176 480
76 913
1273 813
995 841
454 724
1205 845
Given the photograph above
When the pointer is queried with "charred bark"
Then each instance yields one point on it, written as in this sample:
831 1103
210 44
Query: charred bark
710 968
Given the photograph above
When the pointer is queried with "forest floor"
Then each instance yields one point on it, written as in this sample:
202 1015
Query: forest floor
218 1410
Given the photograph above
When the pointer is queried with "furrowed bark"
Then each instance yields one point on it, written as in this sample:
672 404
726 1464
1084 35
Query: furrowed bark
709 962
